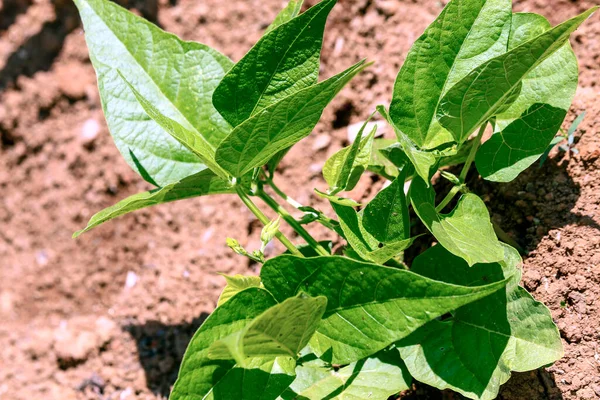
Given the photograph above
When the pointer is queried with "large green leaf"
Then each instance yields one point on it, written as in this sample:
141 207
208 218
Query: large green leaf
177 77
368 306
343 169
375 378
284 61
203 378
386 216
282 330
466 231
474 352
509 152
191 140
201 184
279 126
526 128
478 96
466 34
291 11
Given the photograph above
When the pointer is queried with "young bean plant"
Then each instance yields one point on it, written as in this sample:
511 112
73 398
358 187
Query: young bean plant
362 324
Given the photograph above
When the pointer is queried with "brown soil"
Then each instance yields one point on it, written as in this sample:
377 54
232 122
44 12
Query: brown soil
109 316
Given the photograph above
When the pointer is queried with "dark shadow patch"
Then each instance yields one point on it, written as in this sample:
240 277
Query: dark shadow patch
160 350
10 10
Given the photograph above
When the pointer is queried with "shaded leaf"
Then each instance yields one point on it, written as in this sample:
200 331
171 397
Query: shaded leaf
236 284
277 127
466 34
474 352
466 231
478 96
368 306
284 61
376 378
200 184
177 77
509 152
386 216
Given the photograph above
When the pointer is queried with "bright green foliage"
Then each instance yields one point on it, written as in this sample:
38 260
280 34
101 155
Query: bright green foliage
361 325
363 301
470 32
201 184
474 352
281 331
279 126
466 231
177 77
479 96
236 284
377 377
344 168
283 62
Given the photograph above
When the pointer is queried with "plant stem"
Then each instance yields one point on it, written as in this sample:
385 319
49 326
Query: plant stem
265 220
448 198
471 157
292 222
281 194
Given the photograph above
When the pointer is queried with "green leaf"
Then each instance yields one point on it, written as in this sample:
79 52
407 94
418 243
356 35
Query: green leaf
343 169
527 127
466 231
279 126
474 352
177 77
291 11
283 62
368 306
375 378
201 184
386 216
236 284
202 377
282 330
191 140
337 199
362 242
422 161
478 96
509 152
380 162
466 34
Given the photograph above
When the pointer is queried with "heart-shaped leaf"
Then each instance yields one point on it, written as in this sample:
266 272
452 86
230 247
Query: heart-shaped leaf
176 77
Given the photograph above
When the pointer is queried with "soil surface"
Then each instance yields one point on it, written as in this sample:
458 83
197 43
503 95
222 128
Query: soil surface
109 316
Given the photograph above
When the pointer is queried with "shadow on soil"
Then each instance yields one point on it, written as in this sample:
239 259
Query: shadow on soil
160 350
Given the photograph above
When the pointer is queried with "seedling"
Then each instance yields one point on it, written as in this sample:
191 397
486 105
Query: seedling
363 324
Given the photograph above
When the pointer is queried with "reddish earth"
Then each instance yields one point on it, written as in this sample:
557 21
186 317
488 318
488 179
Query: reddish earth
108 316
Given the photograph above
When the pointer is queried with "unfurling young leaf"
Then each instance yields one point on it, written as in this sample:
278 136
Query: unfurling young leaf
342 170
268 232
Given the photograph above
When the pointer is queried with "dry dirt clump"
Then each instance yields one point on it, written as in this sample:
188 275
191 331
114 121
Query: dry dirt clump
109 316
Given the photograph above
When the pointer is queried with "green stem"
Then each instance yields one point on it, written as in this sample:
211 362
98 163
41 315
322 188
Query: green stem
471 157
292 222
448 198
265 220
281 194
